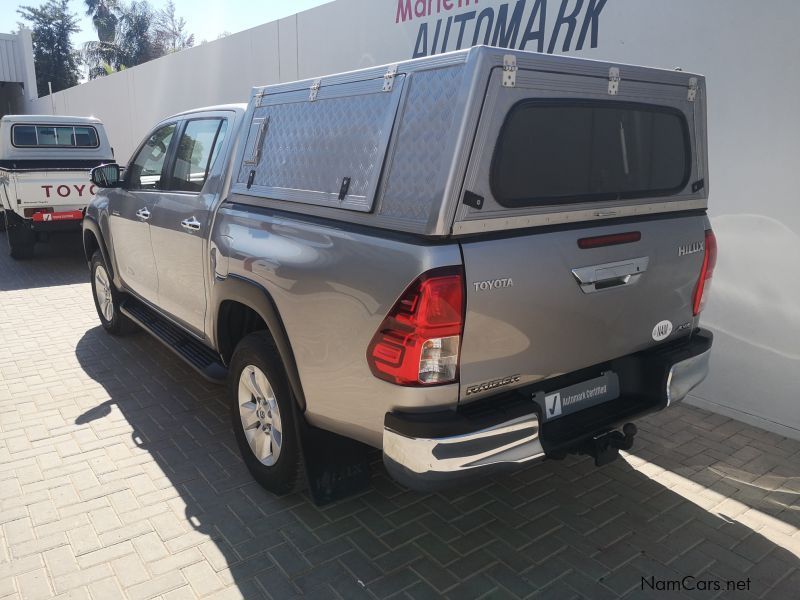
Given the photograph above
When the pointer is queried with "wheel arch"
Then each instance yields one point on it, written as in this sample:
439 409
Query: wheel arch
92 241
236 293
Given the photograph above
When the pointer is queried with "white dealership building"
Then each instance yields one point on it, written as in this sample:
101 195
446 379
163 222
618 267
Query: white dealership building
747 50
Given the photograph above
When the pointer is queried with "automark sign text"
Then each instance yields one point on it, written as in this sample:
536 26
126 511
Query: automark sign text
520 25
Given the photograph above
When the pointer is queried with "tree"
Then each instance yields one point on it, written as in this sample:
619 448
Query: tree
136 36
56 60
104 18
171 29
140 34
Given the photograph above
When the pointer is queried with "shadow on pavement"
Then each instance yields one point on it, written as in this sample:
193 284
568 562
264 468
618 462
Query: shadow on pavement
57 262
559 529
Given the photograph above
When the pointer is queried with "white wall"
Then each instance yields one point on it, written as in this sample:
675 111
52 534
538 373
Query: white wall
17 74
747 50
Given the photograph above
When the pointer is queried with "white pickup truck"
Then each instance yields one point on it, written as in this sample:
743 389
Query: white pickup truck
44 175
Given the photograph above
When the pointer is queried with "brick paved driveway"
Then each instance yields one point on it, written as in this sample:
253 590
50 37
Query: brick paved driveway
119 478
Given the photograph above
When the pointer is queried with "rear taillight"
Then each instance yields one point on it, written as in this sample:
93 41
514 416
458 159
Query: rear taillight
703 287
419 341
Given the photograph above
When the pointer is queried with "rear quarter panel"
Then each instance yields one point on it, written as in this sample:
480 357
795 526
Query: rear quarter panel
332 286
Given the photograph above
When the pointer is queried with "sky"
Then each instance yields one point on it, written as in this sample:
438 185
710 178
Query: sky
207 19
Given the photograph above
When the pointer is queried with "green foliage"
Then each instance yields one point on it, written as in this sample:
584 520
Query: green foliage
130 34
104 18
56 60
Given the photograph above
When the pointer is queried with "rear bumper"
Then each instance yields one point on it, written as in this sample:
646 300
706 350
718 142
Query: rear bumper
63 220
426 450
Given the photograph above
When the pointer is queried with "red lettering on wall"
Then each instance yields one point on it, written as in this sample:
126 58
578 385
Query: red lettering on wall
408 10
403 11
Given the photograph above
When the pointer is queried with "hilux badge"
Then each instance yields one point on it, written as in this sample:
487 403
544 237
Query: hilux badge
692 248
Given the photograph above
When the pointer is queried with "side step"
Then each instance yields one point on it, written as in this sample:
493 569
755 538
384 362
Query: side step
200 357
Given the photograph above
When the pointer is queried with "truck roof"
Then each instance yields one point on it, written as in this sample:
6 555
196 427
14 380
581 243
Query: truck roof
241 107
49 119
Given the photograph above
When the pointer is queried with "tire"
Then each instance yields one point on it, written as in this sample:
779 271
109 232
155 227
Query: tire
107 299
257 386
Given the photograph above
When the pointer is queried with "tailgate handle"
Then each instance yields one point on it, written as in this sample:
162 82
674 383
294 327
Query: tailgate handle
597 278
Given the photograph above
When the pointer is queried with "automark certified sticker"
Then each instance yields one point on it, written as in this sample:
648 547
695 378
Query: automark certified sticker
573 398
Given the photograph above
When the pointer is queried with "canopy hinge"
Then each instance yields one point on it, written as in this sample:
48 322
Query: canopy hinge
613 81
314 90
509 70
388 78
692 94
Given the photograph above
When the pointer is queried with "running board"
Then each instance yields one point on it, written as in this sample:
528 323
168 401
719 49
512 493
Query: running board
200 357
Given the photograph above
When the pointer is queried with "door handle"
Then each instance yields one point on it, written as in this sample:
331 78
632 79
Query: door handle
191 224
143 213
602 277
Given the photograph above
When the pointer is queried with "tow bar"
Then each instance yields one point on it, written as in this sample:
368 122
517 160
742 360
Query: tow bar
605 447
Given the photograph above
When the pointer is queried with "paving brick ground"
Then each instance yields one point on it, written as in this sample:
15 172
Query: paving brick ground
119 479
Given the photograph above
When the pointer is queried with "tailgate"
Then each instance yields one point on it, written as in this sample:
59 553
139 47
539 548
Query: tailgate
539 305
59 189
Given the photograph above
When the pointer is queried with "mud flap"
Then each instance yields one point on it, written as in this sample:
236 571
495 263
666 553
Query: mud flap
336 466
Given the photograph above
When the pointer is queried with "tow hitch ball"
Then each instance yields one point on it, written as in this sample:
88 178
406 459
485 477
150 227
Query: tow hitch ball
606 446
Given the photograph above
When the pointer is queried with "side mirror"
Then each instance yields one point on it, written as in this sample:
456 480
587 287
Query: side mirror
107 176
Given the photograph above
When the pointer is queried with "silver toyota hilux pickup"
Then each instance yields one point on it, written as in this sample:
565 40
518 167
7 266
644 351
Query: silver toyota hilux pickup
471 261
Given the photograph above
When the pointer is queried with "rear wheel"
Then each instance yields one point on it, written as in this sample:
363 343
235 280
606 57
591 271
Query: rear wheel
107 299
262 414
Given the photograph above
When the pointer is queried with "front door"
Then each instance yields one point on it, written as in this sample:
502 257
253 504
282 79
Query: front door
182 218
131 208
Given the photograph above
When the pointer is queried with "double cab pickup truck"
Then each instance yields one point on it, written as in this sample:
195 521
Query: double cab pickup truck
44 175
471 261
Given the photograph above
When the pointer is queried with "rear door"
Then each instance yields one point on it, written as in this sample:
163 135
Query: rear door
553 285
182 216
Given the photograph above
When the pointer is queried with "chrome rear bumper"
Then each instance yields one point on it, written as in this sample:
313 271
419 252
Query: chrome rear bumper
428 450
685 376
421 462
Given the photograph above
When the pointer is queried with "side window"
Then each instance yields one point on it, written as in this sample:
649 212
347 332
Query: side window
23 135
86 137
47 136
144 172
198 147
